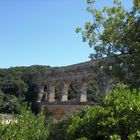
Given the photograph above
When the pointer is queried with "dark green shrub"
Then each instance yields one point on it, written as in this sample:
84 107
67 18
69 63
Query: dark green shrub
118 119
27 127
57 128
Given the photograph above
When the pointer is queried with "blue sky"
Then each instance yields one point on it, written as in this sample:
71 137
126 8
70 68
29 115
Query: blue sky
43 32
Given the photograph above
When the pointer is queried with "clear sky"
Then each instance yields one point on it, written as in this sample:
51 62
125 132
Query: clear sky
43 32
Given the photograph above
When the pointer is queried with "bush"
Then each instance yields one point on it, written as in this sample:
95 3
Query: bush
27 127
117 119
57 128
82 138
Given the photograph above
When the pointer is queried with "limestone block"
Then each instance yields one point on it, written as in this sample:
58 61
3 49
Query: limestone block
83 98
52 97
39 98
64 98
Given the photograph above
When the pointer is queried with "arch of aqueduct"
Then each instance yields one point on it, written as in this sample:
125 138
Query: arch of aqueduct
79 75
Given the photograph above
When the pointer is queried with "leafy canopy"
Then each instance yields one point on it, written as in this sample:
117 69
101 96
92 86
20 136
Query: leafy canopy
117 119
115 31
107 34
27 126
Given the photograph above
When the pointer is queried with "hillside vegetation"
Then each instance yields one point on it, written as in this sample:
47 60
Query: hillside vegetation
17 87
114 31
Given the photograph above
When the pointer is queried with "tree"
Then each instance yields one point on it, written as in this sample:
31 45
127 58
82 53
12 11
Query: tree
93 92
18 85
117 119
115 32
27 126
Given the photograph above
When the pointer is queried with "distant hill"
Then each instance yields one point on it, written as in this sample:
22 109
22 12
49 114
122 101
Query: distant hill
17 87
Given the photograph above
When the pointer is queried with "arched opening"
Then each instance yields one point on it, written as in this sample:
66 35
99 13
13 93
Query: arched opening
44 94
57 92
45 88
72 95
93 92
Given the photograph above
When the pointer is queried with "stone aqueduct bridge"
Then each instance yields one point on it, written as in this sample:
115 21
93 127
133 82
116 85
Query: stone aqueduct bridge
78 75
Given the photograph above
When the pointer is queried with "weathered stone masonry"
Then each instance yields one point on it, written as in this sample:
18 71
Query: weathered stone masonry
79 75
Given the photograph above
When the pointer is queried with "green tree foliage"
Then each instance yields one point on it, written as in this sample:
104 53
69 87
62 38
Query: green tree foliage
72 94
117 119
93 92
57 128
113 31
27 127
57 92
9 104
17 85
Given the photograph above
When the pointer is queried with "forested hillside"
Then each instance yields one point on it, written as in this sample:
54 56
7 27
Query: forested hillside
17 87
